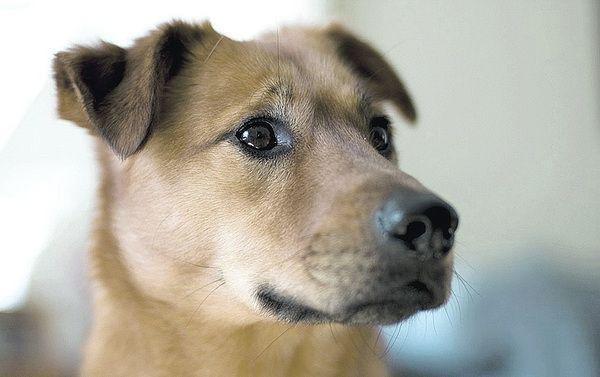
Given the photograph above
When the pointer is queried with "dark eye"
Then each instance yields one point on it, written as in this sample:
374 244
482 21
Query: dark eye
379 136
258 134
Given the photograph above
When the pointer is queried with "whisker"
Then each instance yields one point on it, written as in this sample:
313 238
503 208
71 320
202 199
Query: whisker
393 340
213 49
464 260
459 242
332 334
354 356
448 316
457 303
465 283
272 342
204 286
284 260
202 302
389 340
405 338
356 348
193 264
378 335
158 228
366 343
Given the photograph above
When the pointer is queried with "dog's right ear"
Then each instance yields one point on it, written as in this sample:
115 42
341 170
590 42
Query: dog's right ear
117 92
372 67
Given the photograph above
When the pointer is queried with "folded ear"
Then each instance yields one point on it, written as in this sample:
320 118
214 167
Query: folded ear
373 68
117 92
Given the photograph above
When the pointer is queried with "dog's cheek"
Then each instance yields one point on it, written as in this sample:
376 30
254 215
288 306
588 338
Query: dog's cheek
238 259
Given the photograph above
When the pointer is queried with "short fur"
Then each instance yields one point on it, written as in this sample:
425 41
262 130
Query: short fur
209 261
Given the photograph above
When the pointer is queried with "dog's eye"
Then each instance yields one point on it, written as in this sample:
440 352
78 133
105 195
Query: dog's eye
258 134
379 135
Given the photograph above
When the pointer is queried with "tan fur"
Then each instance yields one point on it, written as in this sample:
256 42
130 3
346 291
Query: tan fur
188 226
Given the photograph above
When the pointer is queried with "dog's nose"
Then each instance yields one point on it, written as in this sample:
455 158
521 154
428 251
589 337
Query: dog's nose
422 222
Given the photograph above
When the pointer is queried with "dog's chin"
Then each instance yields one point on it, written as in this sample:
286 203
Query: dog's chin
384 311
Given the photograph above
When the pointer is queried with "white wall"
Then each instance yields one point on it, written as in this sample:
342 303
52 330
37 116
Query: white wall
509 131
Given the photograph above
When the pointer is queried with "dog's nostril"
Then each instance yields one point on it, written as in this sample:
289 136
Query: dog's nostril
411 231
444 221
441 219
415 229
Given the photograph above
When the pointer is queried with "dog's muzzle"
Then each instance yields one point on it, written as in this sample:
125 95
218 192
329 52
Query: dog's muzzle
376 265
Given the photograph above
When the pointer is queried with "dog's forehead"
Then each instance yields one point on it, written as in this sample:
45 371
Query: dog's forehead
315 68
295 78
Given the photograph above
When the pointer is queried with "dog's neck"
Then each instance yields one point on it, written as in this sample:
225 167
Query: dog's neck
134 334
141 340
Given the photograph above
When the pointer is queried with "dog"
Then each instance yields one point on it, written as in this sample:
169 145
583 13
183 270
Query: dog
252 219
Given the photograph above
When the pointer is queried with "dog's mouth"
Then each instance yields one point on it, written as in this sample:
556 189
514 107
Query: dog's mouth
388 309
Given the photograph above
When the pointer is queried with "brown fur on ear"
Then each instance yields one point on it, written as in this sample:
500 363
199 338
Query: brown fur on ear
372 67
117 92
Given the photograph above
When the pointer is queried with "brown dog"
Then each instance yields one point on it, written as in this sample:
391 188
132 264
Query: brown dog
252 218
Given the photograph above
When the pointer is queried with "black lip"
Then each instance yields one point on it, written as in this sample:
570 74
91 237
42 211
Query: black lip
384 311
289 309
418 287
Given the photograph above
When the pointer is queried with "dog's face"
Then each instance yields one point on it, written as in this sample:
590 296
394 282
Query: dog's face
265 170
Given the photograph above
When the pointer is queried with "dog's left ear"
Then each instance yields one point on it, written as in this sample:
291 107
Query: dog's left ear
373 68
116 92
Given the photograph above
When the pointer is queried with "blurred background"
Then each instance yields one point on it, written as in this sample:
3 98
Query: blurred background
508 94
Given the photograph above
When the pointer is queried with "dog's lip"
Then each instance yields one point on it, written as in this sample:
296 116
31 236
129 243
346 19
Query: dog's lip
287 308
386 309
417 288
413 296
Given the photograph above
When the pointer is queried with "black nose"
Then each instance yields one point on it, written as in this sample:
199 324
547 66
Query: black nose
422 222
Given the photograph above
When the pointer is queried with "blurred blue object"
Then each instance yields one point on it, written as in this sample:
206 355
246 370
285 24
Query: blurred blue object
525 320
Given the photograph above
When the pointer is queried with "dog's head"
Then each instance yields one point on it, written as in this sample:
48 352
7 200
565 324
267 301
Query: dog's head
265 169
